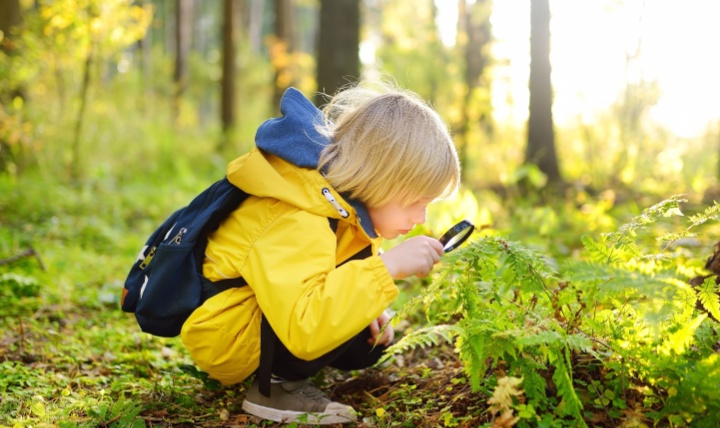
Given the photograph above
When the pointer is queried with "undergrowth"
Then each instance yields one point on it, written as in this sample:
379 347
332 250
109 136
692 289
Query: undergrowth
613 337
528 335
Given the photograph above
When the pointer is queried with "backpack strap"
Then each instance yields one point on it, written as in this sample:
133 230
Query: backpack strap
268 340
210 289
333 224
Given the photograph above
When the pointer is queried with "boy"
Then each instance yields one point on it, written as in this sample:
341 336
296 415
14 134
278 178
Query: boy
326 189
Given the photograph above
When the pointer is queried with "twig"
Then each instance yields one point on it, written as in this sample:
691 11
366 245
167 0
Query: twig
110 421
30 252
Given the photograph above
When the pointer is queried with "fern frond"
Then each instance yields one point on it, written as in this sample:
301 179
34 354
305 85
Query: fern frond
613 250
533 382
615 279
597 251
580 342
711 213
681 339
562 377
483 339
526 266
666 208
422 337
708 295
541 338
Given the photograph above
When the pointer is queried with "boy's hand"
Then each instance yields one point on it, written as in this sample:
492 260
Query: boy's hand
416 256
377 326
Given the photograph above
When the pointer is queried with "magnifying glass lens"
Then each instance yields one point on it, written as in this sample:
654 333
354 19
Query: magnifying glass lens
456 235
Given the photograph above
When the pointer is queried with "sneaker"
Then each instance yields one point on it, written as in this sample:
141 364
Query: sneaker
297 401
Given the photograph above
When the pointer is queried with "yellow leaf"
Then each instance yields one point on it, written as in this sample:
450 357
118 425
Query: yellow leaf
502 396
38 409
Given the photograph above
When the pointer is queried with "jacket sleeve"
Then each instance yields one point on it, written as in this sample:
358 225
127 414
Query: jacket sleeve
313 306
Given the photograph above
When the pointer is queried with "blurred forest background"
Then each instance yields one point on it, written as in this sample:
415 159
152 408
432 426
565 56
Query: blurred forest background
611 101
570 118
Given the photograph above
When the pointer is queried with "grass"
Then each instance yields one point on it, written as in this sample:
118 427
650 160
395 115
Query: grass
70 358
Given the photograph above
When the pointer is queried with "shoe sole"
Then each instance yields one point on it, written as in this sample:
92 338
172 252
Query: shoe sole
288 416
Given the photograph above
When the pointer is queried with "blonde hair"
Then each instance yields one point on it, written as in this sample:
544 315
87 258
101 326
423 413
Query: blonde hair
387 144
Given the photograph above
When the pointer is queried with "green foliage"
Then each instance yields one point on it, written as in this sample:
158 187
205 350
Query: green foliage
612 329
41 76
709 296
14 287
611 336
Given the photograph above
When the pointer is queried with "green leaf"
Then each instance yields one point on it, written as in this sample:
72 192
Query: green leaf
709 297
38 409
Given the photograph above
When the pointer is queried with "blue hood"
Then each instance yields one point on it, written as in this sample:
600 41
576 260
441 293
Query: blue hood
294 137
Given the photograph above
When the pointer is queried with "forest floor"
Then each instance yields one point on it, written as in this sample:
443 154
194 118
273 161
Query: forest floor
68 365
73 366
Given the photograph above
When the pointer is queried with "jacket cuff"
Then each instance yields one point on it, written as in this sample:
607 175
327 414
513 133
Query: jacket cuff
383 279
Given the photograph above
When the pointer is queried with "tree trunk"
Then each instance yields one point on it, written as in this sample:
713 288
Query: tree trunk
183 32
144 46
477 26
474 35
9 18
227 87
254 24
282 49
541 136
76 160
339 40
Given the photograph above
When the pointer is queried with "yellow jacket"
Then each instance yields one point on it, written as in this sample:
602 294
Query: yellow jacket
279 240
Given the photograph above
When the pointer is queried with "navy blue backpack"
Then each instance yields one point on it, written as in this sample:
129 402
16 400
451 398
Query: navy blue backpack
166 284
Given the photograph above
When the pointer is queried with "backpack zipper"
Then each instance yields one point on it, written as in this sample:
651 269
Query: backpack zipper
146 261
178 238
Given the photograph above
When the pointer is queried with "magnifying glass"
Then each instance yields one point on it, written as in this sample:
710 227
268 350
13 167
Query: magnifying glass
456 235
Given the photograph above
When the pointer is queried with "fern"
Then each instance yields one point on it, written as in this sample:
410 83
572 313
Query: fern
598 252
422 337
533 383
666 208
708 294
622 242
562 377
711 213
618 314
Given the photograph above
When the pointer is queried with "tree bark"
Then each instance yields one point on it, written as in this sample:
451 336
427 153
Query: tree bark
227 95
183 32
76 160
282 49
254 25
145 52
338 47
541 135
474 35
10 17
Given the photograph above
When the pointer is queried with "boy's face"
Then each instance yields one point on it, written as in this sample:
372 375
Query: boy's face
393 218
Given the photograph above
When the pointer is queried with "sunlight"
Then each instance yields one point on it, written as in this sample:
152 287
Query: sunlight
598 47
447 19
